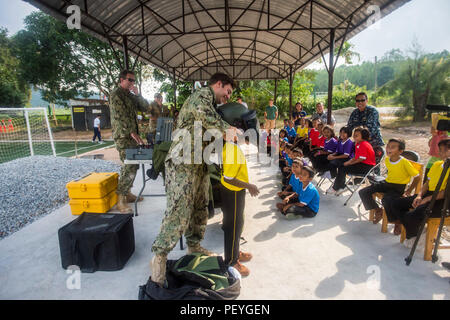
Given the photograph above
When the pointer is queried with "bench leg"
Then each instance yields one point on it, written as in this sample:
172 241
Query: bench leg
384 222
430 240
403 235
371 214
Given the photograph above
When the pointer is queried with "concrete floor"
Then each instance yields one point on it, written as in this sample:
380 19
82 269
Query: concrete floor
336 255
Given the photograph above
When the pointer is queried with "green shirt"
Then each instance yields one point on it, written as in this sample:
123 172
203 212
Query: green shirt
271 112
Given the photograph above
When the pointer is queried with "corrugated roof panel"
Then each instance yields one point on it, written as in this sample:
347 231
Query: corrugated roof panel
286 34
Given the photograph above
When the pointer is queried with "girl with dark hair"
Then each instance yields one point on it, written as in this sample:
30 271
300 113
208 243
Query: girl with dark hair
320 158
344 151
360 164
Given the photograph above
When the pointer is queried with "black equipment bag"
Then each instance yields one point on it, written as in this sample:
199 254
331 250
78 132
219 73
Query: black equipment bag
182 285
97 242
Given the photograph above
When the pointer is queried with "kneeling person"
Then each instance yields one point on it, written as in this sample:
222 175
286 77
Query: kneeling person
234 182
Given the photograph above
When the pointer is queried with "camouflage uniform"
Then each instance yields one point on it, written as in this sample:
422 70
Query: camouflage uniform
187 185
124 107
156 111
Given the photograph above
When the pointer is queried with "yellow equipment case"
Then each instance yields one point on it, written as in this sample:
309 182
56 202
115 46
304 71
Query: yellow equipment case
102 205
94 193
93 186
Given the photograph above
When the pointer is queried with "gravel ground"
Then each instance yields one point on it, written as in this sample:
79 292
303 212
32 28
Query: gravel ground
35 186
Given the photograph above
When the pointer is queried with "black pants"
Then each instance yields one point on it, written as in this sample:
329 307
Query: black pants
233 204
305 211
333 166
299 143
390 190
411 220
286 178
97 134
359 168
320 162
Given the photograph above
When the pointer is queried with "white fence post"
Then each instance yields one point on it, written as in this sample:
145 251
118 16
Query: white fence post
30 141
49 132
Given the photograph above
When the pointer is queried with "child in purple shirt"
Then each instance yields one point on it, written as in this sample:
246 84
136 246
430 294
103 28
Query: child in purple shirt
344 151
320 158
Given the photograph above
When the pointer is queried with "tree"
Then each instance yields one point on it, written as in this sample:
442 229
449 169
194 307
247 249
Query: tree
421 81
257 93
385 74
66 63
184 89
14 92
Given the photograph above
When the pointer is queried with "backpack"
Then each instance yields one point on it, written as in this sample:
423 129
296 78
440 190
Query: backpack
194 277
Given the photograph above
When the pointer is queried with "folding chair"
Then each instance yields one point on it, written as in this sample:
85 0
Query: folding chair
164 128
372 176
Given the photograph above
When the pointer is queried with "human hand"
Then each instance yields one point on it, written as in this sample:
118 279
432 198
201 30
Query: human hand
417 201
286 207
346 163
135 90
254 191
330 157
137 138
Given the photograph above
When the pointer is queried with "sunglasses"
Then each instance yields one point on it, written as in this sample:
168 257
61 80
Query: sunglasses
131 80
360 100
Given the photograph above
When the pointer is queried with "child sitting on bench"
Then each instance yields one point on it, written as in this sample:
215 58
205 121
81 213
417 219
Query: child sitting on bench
401 207
400 171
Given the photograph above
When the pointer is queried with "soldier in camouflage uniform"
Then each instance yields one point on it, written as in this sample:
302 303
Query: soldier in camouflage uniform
157 109
124 106
187 185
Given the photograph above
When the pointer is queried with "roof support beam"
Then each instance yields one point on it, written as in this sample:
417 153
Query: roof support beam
125 53
330 76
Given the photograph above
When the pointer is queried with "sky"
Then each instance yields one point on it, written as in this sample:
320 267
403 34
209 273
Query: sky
426 20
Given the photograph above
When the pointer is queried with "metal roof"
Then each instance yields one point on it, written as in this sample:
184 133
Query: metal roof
252 39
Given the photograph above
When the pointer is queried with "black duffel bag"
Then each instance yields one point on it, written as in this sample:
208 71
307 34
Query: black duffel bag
97 242
210 283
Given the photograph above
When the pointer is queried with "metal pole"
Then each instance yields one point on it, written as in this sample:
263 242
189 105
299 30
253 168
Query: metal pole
275 91
376 84
330 76
30 141
290 91
174 89
125 52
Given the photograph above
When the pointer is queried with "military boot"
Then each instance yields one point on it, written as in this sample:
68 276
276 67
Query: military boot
132 198
122 205
158 268
197 248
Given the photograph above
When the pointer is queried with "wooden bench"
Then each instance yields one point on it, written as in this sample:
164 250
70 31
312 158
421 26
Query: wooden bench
378 195
430 237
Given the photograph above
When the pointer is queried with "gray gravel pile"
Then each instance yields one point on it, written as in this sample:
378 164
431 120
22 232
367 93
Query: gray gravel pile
35 186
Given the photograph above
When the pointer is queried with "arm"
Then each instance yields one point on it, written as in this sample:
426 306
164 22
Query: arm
139 101
353 161
240 184
210 119
418 199
413 185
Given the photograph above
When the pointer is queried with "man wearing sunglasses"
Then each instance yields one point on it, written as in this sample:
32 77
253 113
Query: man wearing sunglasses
124 103
366 116
187 181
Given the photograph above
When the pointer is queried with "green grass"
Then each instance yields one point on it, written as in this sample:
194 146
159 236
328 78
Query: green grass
10 151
